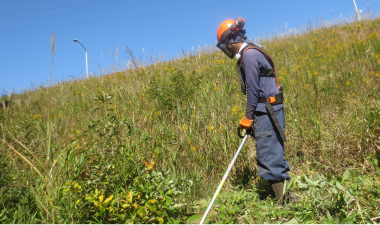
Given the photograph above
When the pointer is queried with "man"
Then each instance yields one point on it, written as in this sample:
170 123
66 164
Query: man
265 110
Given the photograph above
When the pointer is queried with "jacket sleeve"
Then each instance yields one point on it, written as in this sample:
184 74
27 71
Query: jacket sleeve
250 111
252 71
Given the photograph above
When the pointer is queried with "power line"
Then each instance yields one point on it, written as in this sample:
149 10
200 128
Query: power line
87 10
127 17
62 7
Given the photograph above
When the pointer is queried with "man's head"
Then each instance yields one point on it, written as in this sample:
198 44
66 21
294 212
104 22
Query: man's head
230 34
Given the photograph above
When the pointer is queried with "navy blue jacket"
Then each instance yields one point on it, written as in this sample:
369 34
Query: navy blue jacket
258 87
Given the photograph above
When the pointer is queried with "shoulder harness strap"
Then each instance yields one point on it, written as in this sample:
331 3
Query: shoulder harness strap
264 72
240 61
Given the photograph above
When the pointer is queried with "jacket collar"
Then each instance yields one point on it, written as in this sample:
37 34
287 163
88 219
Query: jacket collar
238 55
247 42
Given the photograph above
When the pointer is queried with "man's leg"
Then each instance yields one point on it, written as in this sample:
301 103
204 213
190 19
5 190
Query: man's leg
270 154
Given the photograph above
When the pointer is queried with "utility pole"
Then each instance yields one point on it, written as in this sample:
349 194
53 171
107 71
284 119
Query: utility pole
75 40
358 11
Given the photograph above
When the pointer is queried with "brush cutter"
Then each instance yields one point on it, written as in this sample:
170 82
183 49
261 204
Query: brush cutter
227 172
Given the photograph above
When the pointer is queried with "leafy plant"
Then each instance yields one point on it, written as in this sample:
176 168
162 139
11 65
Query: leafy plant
173 90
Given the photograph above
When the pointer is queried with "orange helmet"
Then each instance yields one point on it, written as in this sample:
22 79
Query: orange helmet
223 27
226 28
229 26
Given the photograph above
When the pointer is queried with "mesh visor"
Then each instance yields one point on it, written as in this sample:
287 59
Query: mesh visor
223 45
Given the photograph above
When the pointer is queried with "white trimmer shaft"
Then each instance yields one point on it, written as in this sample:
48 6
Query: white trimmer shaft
224 179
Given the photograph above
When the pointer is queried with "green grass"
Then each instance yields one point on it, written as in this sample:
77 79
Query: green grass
150 144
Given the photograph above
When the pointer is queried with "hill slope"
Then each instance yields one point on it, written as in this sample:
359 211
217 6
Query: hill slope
91 150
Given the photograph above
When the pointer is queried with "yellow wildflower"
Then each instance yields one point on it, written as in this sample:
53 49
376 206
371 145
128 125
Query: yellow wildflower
149 165
235 110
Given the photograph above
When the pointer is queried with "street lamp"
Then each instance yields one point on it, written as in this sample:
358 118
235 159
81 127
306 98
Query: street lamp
358 12
75 40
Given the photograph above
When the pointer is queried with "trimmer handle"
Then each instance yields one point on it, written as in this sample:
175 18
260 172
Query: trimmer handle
247 131
239 132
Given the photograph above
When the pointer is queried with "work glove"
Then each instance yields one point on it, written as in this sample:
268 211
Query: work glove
245 123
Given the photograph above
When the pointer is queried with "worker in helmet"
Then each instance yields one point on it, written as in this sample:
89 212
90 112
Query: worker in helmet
265 109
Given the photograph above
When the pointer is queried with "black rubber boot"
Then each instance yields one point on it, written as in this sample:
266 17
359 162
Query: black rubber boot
278 188
290 194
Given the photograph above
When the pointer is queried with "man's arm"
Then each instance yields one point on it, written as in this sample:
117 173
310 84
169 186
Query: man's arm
252 71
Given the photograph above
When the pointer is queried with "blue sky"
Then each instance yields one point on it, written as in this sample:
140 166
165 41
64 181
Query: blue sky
104 27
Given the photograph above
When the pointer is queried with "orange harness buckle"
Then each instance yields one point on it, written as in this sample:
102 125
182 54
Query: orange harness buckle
272 99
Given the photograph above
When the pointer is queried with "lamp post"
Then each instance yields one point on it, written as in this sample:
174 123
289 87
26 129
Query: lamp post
75 40
358 12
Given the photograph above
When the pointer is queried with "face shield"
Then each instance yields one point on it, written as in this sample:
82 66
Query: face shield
227 28
227 48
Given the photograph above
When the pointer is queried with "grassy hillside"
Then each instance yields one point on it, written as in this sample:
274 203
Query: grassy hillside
150 144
